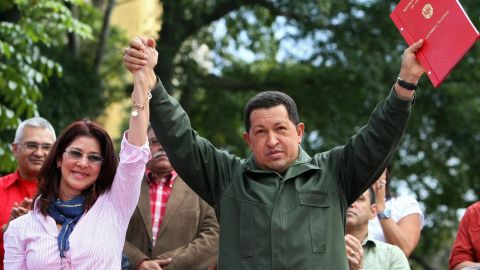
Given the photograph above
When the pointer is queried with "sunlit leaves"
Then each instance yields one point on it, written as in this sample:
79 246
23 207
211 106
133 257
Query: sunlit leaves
23 68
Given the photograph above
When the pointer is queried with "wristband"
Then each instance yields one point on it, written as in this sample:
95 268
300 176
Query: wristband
407 85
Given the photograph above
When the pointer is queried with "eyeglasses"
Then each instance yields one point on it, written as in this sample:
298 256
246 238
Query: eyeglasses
93 159
33 146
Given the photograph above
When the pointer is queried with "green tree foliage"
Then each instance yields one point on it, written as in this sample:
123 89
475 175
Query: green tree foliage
86 87
337 59
54 67
26 27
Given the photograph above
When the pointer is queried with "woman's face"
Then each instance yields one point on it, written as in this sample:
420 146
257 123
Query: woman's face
80 166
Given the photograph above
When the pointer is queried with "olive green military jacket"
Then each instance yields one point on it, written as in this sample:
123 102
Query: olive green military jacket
272 221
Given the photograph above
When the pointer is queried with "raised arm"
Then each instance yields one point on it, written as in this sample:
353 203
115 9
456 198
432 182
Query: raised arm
137 131
366 155
204 168
410 72
406 232
134 152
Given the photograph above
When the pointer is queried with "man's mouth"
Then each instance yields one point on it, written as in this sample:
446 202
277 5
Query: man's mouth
37 161
351 213
159 154
274 153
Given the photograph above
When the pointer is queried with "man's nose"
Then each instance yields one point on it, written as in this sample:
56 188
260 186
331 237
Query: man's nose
40 152
272 139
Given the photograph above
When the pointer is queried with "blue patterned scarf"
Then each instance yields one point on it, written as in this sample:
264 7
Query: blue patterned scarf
66 213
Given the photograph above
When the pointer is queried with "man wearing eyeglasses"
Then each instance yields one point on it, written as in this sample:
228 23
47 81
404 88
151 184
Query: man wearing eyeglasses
34 138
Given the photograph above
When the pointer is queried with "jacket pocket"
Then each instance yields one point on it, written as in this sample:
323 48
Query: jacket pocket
246 229
318 204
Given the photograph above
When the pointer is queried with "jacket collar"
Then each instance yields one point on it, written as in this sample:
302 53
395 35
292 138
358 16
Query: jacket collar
299 166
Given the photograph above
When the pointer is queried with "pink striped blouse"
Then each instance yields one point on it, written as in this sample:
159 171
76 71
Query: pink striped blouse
98 238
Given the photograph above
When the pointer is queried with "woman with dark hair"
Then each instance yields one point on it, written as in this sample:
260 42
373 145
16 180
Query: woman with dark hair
399 219
85 197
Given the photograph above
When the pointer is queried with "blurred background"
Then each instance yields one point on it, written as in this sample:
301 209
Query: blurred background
62 60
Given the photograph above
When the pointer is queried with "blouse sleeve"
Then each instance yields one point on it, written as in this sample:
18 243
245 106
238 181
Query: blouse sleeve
14 248
126 185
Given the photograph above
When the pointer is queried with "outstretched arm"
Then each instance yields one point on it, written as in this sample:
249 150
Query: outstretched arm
206 169
411 70
137 131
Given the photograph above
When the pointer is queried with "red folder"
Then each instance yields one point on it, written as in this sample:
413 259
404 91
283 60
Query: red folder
444 26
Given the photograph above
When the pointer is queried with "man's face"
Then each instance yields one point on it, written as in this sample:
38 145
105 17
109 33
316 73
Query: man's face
159 164
32 150
273 138
361 211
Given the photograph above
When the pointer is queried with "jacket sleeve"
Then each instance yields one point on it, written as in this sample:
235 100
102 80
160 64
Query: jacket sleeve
135 256
206 169
360 162
201 251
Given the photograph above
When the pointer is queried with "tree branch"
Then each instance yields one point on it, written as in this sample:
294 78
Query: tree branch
103 36
213 81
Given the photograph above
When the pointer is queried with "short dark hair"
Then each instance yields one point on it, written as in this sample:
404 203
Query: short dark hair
49 176
372 195
269 99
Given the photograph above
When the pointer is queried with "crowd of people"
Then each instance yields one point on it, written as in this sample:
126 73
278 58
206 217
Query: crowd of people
172 200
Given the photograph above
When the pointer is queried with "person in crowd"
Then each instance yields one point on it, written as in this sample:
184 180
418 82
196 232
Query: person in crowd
84 203
281 208
33 140
465 252
171 228
363 252
399 219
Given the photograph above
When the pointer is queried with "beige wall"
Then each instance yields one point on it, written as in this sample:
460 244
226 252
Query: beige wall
135 18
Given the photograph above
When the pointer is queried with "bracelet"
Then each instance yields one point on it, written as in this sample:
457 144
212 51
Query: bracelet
407 85
138 106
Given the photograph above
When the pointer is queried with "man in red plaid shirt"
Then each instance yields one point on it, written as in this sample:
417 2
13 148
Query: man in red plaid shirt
172 228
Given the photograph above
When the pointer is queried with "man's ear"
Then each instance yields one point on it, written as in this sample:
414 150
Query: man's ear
15 149
300 131
246 138
373 211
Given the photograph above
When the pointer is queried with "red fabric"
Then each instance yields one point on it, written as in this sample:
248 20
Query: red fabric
467 244
13 189
159 193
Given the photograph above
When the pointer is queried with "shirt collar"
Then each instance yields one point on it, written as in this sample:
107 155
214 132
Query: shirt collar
13 178
369 240
152 178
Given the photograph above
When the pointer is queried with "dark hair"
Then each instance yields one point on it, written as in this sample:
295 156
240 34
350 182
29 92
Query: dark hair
372 195
269 99
49 176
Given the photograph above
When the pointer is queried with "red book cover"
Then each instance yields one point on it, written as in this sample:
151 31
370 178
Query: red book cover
444 26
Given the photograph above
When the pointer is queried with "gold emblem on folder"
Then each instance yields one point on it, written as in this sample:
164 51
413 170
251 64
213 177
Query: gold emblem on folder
427 11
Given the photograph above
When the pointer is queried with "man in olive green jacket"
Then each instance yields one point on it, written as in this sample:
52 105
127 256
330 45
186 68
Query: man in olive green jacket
280 208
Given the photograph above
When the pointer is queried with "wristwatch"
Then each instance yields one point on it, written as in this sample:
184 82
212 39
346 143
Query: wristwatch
384 214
